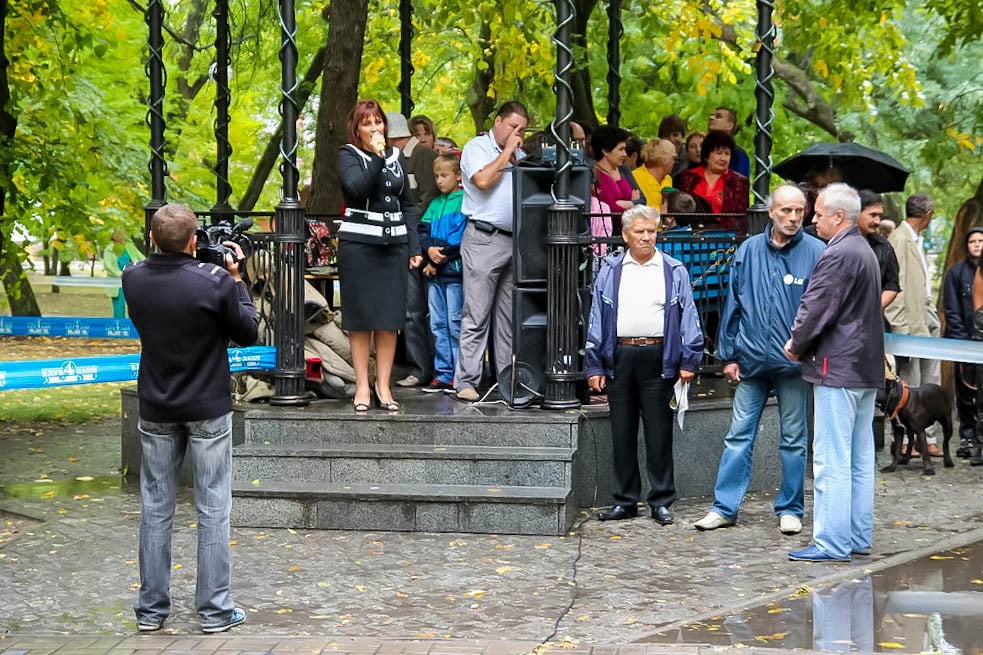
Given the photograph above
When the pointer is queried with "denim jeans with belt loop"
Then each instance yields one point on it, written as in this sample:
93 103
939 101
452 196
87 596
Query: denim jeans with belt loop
164 446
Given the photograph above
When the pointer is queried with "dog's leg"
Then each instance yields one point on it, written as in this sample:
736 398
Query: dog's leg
895 450
922 437
904 454
946 423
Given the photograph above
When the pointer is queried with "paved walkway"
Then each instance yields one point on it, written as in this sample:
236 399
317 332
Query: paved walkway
602 589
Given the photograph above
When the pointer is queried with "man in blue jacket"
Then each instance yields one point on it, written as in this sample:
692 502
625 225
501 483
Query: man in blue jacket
644 332
767 279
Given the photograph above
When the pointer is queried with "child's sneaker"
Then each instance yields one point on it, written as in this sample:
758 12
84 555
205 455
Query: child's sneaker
436 386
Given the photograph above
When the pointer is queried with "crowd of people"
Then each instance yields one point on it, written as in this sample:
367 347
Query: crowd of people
427 232
456 236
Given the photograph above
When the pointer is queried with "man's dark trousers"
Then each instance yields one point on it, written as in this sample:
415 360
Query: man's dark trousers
419 342
639 388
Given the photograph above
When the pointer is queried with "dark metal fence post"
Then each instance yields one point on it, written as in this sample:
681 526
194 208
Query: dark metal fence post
155 113
289 238
562 240
223 44
406 57
615 32
764 117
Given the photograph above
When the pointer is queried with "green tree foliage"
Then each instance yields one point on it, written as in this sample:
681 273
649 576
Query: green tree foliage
901 75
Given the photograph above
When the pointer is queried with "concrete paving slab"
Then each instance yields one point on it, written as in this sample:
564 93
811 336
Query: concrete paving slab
600 588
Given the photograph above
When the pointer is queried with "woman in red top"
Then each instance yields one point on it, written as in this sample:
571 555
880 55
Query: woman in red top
723 190
615 185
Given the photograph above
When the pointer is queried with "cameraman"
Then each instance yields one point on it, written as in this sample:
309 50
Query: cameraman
186 312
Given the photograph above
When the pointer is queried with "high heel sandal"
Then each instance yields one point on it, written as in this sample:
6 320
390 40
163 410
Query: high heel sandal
389 406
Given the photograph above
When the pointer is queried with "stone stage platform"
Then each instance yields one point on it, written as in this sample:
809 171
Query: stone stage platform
439 465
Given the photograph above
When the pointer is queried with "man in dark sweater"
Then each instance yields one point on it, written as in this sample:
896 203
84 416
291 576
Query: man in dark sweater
186 312
838 313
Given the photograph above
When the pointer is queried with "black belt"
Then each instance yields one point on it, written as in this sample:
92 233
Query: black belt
488 228
639 341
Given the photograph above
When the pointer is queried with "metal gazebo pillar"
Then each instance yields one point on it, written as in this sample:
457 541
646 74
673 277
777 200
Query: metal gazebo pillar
289 238
154 18
223 44
406 58
562 240
764 117
615 32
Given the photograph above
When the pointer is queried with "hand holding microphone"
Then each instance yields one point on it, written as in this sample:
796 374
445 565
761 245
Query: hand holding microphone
378 143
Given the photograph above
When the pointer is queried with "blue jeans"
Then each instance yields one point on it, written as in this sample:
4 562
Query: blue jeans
446 302
163 449
843 470
734 474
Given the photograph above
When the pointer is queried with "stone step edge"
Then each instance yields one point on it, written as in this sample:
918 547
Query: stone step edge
405 451
406 492
539 418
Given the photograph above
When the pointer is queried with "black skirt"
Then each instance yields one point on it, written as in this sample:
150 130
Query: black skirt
372 280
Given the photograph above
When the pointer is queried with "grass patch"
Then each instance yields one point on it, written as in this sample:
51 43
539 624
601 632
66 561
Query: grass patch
70 404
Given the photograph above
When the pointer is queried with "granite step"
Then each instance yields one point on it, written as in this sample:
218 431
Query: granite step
403 507
540 429
405 463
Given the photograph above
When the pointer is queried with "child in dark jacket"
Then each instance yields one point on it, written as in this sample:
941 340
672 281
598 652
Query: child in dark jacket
441 228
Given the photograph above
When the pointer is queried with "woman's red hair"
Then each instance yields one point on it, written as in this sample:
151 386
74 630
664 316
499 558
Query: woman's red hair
362 109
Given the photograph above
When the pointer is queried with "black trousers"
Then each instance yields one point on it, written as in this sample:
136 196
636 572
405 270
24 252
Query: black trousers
638 389
419 342
965 381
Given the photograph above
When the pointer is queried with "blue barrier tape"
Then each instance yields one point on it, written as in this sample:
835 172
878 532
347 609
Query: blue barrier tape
55 326
40 374
951 350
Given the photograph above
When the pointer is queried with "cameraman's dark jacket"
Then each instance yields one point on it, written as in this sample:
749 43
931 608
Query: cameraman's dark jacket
186 313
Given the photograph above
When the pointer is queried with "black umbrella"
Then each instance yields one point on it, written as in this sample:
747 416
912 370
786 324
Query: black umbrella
857 165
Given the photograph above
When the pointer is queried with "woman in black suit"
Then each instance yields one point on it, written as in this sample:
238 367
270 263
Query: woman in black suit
377 245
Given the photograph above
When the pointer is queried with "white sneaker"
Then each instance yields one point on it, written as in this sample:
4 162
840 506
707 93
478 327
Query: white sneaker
712 521
789 524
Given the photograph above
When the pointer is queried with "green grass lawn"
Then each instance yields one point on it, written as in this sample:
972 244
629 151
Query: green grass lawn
69 404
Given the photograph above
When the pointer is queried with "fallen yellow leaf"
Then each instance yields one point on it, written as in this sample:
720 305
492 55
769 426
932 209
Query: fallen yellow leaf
941 557
361 587
293 568
502 570
890 644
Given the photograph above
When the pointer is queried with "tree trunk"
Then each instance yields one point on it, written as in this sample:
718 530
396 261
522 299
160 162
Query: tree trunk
272 152
339 92
583 95
20 295
479 102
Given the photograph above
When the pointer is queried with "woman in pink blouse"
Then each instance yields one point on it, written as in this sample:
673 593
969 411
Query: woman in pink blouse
615 184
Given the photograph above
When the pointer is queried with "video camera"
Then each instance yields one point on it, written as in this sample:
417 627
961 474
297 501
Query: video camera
210 241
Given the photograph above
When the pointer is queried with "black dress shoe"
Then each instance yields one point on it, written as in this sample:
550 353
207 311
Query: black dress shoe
618 512
662 516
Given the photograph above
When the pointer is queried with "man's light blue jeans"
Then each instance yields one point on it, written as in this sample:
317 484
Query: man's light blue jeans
843 470
163 449
734 474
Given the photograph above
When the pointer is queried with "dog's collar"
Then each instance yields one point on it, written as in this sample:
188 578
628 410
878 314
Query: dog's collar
902 401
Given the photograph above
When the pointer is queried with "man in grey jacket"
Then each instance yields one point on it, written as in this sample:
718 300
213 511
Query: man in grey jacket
838 313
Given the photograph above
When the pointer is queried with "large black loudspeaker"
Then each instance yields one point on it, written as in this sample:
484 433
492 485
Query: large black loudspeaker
529 327
532 199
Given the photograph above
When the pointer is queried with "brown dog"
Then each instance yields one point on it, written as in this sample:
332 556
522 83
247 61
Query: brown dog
912 410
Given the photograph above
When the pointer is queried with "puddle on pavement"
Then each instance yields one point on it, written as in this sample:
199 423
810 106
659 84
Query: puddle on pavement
40 489
934 604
